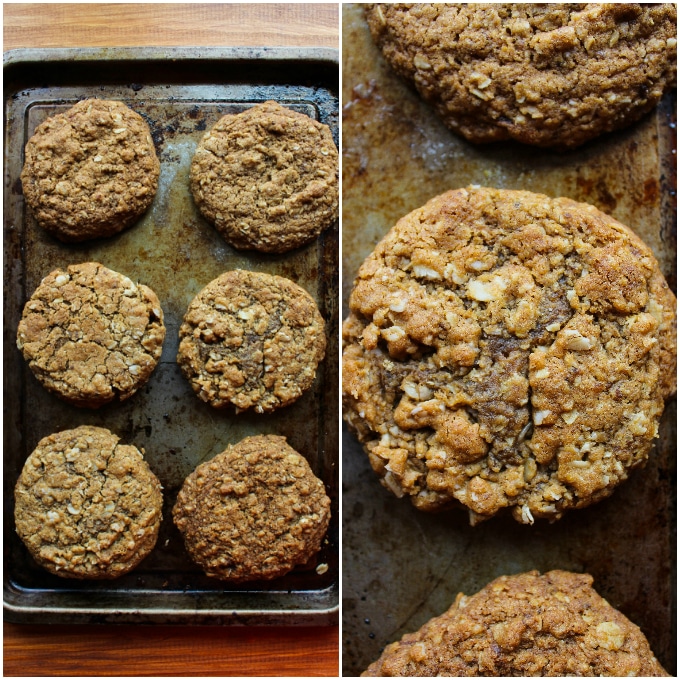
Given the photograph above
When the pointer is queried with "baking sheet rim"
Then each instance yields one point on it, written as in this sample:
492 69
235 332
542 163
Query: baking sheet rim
328 614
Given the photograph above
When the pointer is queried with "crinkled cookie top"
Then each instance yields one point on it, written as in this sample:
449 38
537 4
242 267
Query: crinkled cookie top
251 340
543 74
506 349
87 506
525 625
267 178
91 171
254 511
91 335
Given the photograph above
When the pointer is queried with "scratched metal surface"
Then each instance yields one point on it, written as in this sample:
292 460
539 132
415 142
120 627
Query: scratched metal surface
180 93
401 567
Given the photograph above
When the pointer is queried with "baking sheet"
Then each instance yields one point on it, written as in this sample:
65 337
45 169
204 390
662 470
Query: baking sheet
181 93
402 567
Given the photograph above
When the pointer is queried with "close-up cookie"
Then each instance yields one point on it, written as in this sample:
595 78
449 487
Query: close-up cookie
543 74
91 171
87 506
254 511
528 625
505 349
251 340
91 335
267 178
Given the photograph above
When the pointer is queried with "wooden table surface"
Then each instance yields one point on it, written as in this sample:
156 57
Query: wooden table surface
32 650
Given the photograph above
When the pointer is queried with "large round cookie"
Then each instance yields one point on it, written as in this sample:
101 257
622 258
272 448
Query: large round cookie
91 171
251 340
267 178
506 349
525 625
91 335
254 511
87 506
543 74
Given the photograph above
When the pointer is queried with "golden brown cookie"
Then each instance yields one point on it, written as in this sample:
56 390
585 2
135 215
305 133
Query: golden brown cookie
508 350
91 171
87 506
251 340
254 511
542 74
267 178
525 625
91 335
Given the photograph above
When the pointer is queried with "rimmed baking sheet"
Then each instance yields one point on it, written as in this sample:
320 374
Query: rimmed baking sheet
181 93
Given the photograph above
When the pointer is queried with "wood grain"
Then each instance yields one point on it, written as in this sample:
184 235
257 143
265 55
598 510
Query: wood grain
169 24
163 650
79 651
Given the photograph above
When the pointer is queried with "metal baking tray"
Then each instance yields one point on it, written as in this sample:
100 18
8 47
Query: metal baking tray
400 566
181 92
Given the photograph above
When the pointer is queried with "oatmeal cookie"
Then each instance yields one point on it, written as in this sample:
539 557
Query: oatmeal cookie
506 349
267 178
254 511
91 335
87 506
251 340
91 171
525 625
543 74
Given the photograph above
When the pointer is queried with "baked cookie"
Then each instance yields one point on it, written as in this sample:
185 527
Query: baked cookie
251 340
267 178
91 335
506 349
525 625
543 74
254 511
91 171
87 506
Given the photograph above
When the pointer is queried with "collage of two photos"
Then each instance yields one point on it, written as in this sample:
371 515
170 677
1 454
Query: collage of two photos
340 339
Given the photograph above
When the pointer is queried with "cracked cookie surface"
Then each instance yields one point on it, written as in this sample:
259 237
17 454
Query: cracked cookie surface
547 75
525 625
90 335
267 178
91 171
251 340
507 350
87 506
254 511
